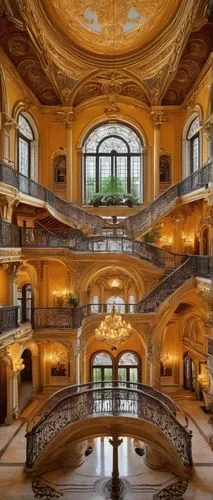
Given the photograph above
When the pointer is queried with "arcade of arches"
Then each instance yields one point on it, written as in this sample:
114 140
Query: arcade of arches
106 202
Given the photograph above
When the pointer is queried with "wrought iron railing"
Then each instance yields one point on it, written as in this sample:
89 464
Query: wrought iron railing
14 236
8 318
193 266
73 318
105 401
59 395
140 221
9 175
144 219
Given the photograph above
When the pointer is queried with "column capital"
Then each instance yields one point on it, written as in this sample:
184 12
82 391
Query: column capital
158 118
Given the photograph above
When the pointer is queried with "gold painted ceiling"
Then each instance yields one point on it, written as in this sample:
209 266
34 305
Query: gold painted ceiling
110 26
73 52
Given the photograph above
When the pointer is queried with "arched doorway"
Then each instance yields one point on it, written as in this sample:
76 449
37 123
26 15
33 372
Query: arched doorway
3 392
188 372
128 367
25 381
25 303
101 367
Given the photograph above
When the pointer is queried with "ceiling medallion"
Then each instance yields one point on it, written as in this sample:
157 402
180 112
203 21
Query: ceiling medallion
113 330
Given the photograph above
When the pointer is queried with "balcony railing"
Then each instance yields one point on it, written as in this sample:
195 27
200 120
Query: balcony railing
105 401
8 318
49 405
14 236
31 188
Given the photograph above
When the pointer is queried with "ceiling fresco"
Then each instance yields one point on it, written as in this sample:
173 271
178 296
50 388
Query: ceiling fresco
110 26
69 52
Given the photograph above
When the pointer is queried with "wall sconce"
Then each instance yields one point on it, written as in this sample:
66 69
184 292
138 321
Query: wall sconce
188 244
203 381
19 365
166 242
60 297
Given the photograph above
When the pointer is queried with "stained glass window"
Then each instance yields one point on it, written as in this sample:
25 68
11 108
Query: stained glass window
25 138
102 358
113 151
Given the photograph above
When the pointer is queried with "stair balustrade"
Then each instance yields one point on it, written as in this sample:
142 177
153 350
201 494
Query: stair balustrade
141 221
24 185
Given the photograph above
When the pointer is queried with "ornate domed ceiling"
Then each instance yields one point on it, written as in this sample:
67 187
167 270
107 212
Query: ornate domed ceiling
110 26
147 52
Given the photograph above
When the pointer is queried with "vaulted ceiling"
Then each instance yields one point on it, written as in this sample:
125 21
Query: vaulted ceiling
72 51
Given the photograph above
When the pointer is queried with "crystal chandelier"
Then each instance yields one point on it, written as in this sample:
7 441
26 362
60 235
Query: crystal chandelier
113 330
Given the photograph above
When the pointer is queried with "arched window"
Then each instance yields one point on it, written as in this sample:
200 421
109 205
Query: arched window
27 147
59 166
194 145
113 151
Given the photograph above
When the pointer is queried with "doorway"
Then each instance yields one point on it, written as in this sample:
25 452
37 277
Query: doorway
189 373
3 392
25 381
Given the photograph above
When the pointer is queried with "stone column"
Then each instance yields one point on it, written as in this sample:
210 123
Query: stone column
81 194
115 485
156 159
69 160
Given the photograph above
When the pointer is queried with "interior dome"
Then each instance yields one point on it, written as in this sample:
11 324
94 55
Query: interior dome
110 26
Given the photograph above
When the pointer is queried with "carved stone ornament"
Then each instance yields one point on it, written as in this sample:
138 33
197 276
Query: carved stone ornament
172 491
43 490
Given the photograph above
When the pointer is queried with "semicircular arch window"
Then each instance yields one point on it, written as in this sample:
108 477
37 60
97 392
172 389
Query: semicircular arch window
113 151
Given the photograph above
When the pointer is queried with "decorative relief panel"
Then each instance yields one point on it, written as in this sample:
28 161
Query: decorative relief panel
19 49
196 53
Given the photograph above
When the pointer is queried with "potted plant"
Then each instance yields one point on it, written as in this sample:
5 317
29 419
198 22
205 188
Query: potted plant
130 200
72 300
97 200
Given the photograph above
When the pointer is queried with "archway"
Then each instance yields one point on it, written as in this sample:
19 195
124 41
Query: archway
25 379
3 392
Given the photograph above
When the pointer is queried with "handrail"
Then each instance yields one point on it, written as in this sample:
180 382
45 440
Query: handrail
140 221
23 184
112 401
12 235
73 317
193 265
59 395
163 203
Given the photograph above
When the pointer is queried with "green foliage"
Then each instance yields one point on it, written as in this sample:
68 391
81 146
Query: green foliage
112 185
96 200
72 300
152 236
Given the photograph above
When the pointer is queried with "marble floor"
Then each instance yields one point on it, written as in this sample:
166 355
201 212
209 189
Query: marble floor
86 482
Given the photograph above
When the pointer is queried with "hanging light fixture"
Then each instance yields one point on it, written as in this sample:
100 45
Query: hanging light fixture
113 330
